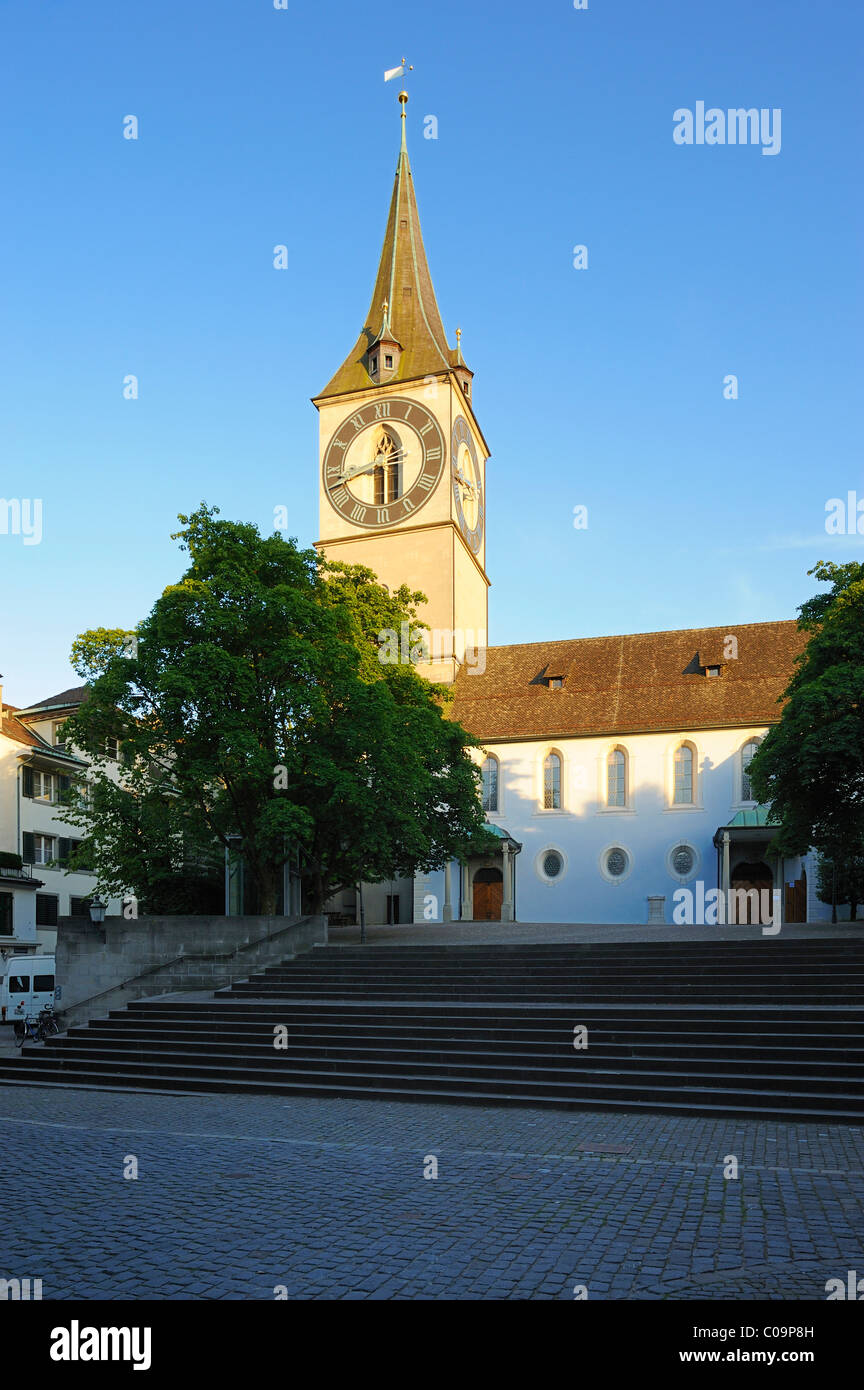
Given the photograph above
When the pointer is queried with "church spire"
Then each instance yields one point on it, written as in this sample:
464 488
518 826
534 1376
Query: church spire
413 320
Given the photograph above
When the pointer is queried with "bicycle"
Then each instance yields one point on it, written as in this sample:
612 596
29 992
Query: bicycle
37 1029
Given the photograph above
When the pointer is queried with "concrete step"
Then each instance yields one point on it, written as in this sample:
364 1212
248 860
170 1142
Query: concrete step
766 1031
530 1061
606 1092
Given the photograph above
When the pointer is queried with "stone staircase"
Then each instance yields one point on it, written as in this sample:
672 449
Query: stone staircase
766 1028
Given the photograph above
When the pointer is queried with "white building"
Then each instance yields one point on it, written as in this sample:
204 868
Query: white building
37 771
615 768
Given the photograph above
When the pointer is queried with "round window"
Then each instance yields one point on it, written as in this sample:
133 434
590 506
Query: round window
682 860
616 863
552 864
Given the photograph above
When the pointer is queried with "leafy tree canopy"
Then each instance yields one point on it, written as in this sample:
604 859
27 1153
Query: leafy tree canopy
252 703
810 766
841 880
93 650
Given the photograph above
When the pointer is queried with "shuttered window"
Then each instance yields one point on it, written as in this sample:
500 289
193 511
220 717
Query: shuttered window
47 905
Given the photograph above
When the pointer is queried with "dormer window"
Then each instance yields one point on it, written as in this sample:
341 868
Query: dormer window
554 682
388 361
374 365
712 670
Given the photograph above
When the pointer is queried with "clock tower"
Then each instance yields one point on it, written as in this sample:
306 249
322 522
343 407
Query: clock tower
402 458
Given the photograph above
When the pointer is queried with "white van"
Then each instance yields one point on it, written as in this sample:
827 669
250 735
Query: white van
26 986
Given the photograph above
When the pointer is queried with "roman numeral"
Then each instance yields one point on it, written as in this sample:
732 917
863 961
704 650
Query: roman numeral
341 496
408 505
339 444
407 411
382 409
358 513
427 427
426 481
433 453
382 515
358 422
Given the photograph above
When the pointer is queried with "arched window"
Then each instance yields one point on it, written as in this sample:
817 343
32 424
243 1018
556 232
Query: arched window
748 752
616 778
552 783
683 794
489 772
387 474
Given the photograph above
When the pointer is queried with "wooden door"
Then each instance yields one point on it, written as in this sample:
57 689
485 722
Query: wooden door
752 876
488 898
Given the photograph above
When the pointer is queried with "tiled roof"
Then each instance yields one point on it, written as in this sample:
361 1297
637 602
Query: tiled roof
641 683
67 699
13 727
10 727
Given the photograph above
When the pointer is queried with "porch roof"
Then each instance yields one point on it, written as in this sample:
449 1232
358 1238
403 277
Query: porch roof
501 834
750 823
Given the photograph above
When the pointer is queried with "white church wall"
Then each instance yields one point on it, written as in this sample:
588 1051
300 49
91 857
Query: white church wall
648 827
429 896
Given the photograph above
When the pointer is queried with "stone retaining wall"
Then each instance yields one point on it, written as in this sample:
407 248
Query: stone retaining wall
104 967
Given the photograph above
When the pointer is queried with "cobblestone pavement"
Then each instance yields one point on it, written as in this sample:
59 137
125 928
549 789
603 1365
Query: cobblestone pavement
237 1195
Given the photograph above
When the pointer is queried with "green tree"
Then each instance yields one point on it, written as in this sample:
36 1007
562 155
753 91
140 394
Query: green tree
810 766
142 841
93 650
252 702
841 880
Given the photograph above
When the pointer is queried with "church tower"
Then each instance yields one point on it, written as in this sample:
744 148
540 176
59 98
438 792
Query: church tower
402 458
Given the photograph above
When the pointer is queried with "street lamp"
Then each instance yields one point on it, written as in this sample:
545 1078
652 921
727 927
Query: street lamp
97 910
233 841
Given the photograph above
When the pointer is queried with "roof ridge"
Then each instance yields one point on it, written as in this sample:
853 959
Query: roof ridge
659 632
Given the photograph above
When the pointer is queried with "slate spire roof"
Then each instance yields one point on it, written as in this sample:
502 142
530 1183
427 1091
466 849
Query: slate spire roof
404 283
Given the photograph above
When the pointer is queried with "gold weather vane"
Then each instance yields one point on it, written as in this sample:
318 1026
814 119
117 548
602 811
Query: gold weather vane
403 95
390 73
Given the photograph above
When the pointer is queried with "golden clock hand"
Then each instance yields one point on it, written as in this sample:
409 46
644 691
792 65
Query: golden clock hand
381 461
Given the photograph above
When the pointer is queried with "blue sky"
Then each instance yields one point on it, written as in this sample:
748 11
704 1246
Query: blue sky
600 387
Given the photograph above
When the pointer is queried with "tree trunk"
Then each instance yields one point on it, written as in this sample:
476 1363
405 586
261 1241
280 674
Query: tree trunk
267 881
318 898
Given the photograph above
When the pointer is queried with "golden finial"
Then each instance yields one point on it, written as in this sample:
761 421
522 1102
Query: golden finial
403 98
458 335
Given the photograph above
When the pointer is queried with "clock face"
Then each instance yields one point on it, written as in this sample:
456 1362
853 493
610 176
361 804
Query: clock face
467 486
384 462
